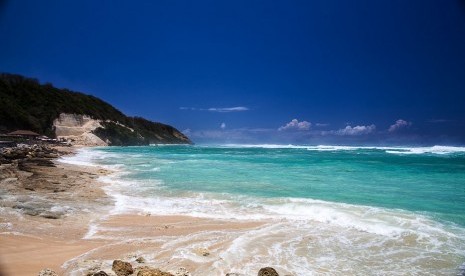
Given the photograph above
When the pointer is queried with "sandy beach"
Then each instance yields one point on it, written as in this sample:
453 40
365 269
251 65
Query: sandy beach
59 217
77 219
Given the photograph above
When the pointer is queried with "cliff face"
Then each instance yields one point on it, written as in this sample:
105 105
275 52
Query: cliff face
27 104
78 129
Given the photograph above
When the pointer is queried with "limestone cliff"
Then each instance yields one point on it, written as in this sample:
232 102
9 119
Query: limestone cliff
78 129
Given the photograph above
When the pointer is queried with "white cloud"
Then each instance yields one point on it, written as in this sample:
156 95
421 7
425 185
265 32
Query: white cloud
296 125
398 125
223 126
218 109
187 131
321 125
228 109
356 130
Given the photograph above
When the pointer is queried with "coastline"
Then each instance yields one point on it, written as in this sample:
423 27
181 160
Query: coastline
94 216
82 236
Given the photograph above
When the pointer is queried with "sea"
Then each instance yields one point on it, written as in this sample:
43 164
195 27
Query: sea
326 210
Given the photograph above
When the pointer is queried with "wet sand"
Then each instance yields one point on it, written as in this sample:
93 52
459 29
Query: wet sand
27 255
124 237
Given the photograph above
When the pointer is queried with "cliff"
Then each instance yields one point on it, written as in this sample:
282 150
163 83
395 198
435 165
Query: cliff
85 119
78 129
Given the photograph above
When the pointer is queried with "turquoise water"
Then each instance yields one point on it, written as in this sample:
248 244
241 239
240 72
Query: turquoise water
323 210
429 183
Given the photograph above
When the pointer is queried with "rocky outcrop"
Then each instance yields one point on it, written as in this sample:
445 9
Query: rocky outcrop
267 271
36 187
122 268
19 169
28 154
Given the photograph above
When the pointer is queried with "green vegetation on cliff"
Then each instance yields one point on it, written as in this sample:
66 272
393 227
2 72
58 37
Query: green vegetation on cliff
27 104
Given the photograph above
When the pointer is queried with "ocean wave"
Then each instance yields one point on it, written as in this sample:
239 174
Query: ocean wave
263 146
92 158
142 198
395 150
82 157
427 150
437 149
296 225
375 220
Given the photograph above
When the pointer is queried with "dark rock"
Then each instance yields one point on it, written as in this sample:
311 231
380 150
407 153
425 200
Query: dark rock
122 268
51 215
33 208
43 162
4 160
140 260
267 271
31 212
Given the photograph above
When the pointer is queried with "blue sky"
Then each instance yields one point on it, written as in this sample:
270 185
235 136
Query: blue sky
256 71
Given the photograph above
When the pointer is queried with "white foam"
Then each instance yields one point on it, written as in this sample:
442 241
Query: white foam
61 209
388 149
425 150
93 229
83 157
291 146
264 146
394 150
373 220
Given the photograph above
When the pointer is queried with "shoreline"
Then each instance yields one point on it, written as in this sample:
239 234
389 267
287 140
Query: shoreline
46 210
34 239
77 218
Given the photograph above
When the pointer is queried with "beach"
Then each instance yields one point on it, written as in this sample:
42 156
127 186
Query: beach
97 205
33 238
46 212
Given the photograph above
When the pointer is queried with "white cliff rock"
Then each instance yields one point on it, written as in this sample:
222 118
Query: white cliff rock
78 129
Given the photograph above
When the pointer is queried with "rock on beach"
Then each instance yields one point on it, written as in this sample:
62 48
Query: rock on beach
267 271
122 268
